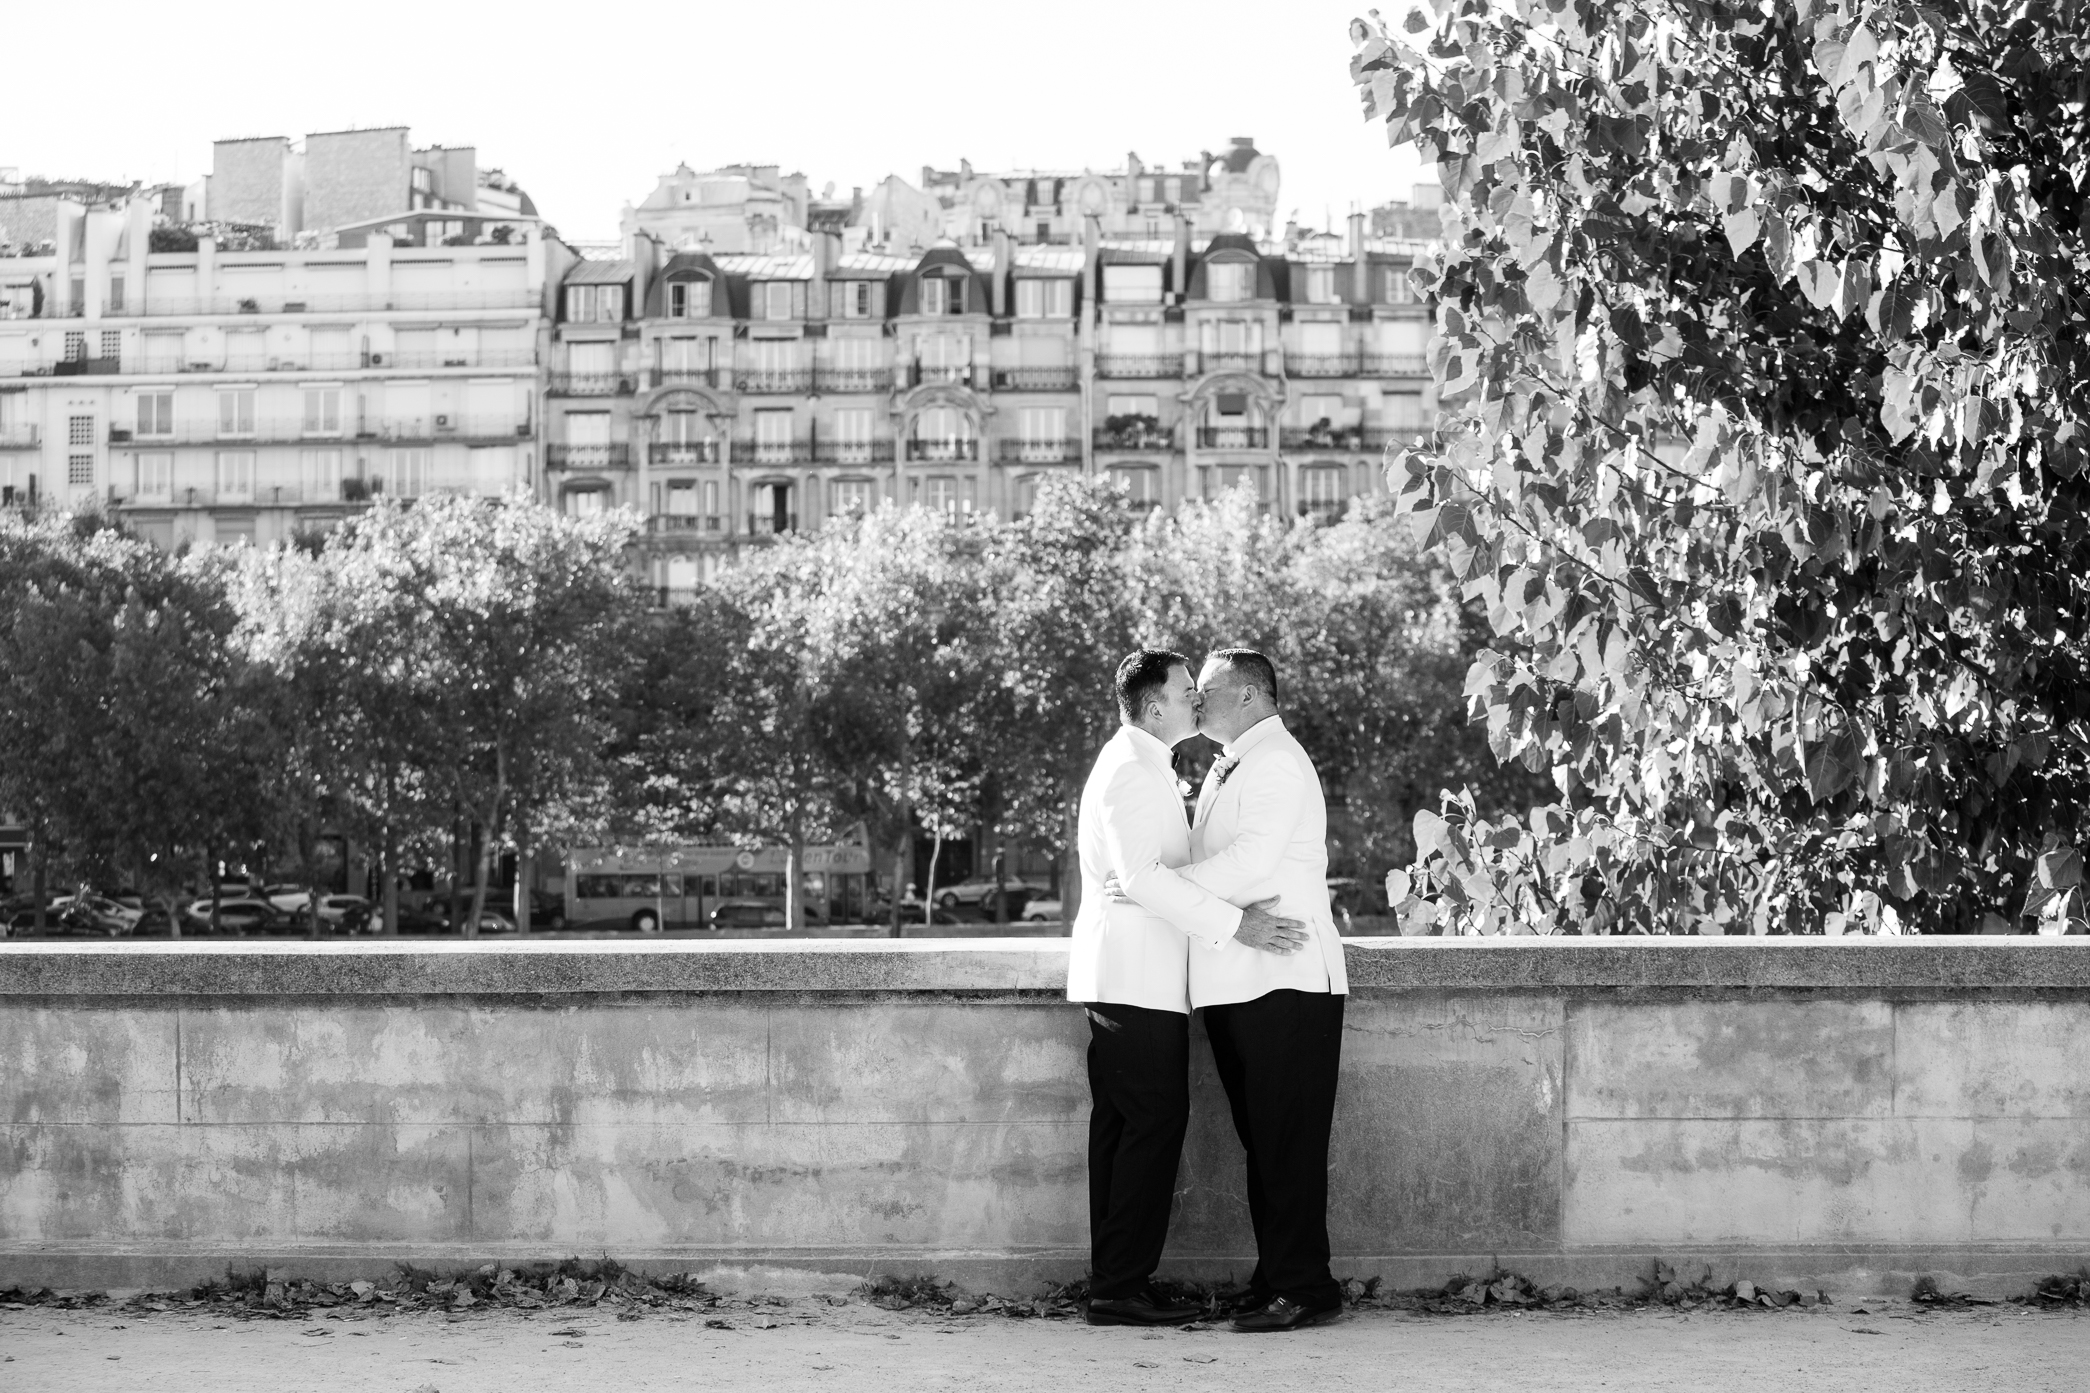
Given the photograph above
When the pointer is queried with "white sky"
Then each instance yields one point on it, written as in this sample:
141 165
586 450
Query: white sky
585 106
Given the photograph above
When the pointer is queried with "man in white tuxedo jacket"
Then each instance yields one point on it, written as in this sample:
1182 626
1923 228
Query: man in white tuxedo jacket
1129 967
1275 1020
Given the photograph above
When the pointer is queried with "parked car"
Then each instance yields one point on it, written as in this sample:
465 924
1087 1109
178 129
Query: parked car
337 913
411 920
981 892
748 914
1042 911
238 916
92 913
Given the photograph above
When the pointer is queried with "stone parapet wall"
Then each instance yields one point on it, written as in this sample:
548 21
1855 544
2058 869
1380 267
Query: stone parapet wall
1844 1113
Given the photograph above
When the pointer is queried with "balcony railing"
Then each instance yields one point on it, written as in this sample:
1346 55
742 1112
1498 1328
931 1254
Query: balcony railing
1396 365
1349 439
297 431
773 381
1266 362
773 451
854 379
616 455
943 451
854 452
1321 364
298 302
19 436
771 524
87 367
675 596
686 524
1048 379
1139 365
591 384
1147 439
686 377
957 373
1039 451
683 452
1233 437
346 492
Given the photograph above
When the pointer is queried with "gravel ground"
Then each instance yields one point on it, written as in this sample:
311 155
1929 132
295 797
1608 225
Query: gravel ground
809 1344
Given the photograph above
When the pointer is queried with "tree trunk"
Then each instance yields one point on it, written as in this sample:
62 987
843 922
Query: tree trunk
525 873
794 879
388 884
40 886
210 871
929 890
899 880
1070 866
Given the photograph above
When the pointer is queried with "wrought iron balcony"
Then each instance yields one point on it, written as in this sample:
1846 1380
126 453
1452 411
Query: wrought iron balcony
683 452
1396 365
942 451
1348 439
685 524
1139 365
591 384
772 451
773 381
297 430
1321 364
855 452
959 374
1040 451
1233 437
1265 362
1045 379
687 377
854 379
1144 438
616 455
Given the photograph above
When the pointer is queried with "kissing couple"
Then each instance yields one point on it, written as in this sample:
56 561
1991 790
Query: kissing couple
1224 911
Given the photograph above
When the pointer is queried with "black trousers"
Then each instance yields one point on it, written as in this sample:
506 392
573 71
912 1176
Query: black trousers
1139 1080
1277 1058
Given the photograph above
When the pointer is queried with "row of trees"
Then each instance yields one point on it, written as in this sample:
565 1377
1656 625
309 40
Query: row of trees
489 664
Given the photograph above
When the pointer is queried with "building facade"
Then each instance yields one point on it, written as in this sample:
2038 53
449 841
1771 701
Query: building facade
213 396
731 397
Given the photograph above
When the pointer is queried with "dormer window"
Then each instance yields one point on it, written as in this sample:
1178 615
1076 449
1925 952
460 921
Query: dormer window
943 295
690 299
594 304
1230 281
1044 299
1320 285
777 299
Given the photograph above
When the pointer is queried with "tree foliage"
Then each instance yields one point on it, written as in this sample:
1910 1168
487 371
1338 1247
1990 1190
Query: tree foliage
1760 339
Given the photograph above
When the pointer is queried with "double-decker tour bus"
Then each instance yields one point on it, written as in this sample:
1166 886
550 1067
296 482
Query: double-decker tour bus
703 887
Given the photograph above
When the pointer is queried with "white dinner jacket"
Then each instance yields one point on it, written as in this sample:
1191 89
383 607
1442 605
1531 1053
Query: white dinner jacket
1264 832
1132 826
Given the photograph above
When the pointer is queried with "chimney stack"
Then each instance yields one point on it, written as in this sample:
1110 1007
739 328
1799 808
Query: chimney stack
1360 271
1179 264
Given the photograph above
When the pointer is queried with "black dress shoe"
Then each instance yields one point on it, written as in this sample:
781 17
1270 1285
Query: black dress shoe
1244 1302
1284 1313
1145 1307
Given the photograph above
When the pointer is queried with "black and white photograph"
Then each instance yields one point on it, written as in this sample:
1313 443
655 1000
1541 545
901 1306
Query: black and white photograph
845 698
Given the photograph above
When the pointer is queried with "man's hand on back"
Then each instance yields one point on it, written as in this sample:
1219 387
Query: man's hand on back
1265 932
1260 929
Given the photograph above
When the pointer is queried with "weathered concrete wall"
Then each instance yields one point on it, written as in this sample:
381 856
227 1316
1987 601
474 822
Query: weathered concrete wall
1570 1110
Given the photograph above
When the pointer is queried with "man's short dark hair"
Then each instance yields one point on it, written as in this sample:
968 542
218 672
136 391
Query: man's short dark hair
1254 669
1141 675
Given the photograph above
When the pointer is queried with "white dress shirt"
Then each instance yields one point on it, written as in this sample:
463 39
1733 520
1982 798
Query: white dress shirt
1132 826
1260 832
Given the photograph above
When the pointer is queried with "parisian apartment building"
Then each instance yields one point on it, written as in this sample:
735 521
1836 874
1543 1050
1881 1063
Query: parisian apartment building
315 325
323 322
